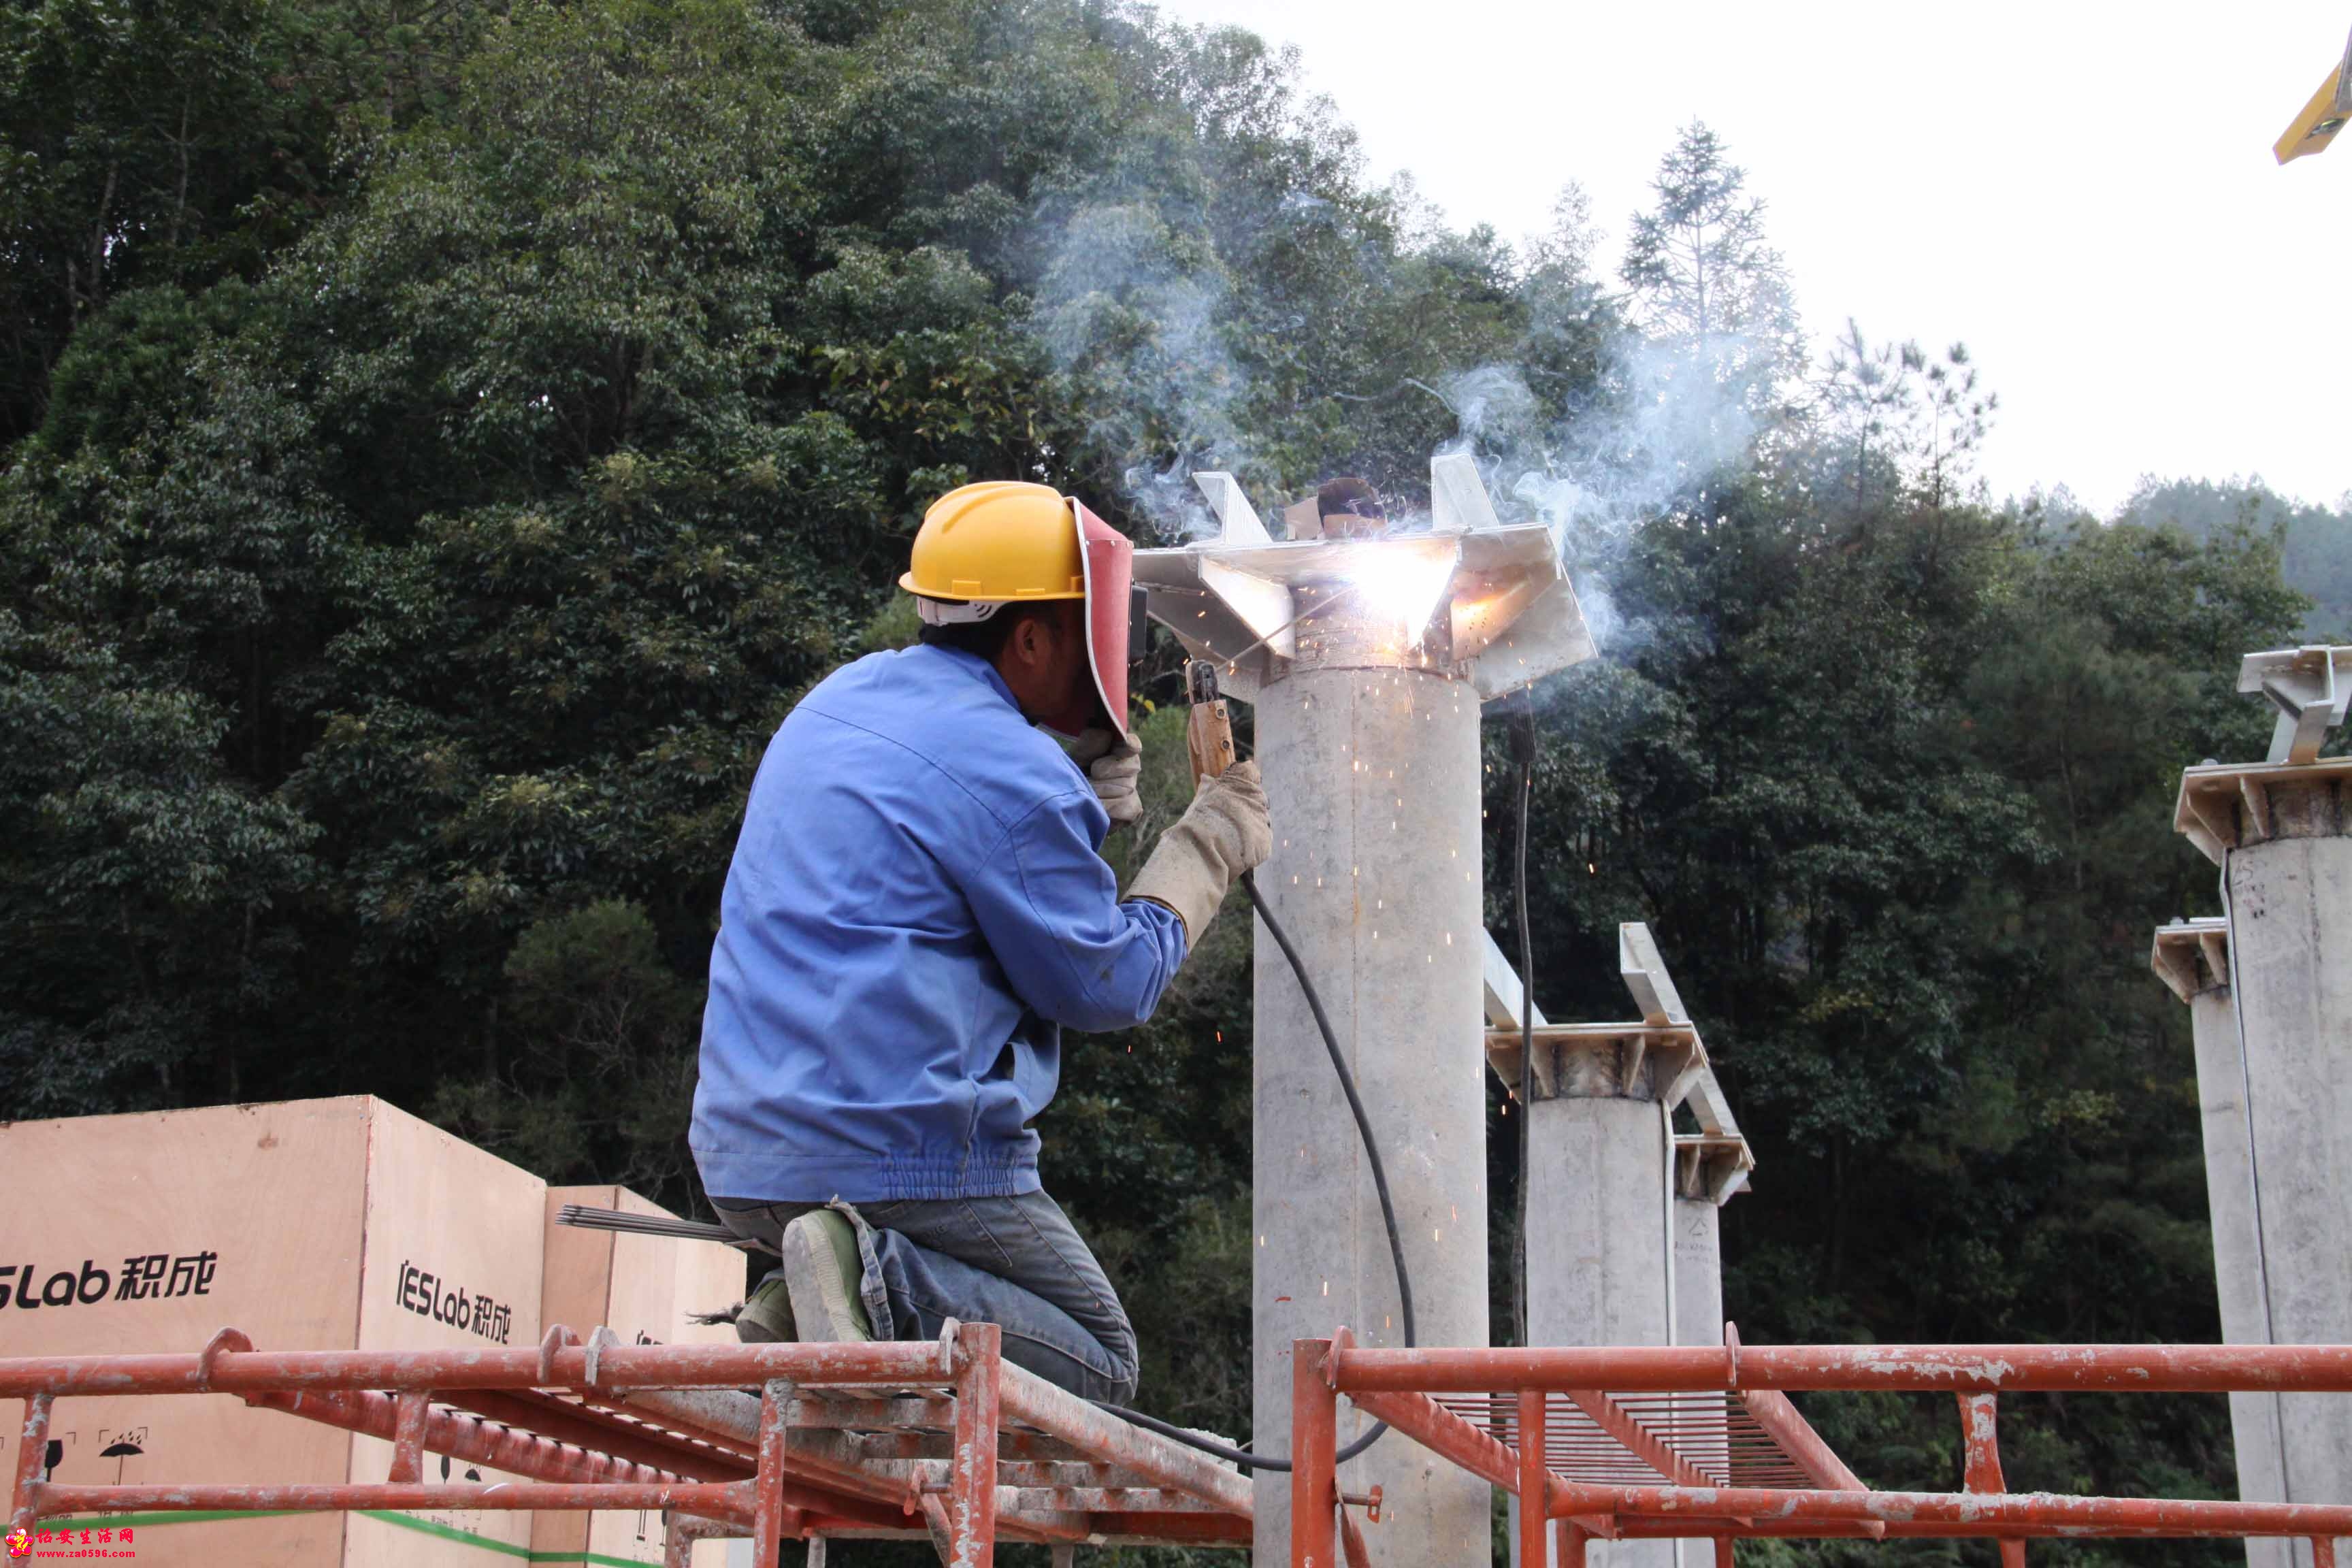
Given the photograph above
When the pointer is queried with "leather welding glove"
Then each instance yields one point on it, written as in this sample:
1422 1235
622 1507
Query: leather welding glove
1114 765
1223 833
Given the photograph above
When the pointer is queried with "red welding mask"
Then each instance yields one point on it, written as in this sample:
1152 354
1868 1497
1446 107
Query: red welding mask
1107 557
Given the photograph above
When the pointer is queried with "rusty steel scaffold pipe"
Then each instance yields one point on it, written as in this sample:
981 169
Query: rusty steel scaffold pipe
604 1425
2033 1368
1577 1426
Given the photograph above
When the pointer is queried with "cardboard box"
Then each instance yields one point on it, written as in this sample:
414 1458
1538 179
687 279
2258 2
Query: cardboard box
644 1287
310 1224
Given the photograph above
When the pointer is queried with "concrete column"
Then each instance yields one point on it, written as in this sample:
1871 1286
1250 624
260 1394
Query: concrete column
1698 1321
2286 873
1601 1220
1699 1270
1624 1240
2192 957
2291 924
1372 774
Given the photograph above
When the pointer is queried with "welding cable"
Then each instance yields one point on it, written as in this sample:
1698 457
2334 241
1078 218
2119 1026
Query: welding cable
1379 1185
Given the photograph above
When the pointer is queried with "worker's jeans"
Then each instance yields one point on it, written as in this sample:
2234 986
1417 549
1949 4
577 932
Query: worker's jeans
1016 1262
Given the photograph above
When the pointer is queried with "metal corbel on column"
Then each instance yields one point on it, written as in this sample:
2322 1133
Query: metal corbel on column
1462 594
2311 686
2294 793
1662 1048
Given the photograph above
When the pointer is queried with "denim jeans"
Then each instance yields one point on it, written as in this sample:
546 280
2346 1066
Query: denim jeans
1016 1262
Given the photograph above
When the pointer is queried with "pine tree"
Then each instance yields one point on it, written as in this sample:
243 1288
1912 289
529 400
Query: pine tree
1704 279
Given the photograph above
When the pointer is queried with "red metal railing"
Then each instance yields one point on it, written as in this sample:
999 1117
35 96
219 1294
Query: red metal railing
941 1438
1564 1430
944 1439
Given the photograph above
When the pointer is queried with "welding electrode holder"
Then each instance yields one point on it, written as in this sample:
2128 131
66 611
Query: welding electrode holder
1208 724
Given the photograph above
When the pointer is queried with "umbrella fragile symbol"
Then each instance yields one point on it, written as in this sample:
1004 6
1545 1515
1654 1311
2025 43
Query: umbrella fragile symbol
119 1452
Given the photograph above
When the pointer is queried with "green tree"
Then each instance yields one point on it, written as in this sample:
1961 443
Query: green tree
597 1070
1704 279
180 141
2316 542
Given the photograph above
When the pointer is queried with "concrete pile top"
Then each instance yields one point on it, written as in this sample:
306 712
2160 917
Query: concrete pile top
1657 1055
2294 793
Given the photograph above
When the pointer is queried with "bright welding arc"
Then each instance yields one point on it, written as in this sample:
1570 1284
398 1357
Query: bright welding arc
1405 589
1401 587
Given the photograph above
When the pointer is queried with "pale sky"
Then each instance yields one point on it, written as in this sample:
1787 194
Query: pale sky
2083 193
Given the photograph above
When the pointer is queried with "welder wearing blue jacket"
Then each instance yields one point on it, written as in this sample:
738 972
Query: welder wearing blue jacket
916 908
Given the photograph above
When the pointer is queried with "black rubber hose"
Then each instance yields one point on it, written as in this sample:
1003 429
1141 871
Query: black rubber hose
1379 1185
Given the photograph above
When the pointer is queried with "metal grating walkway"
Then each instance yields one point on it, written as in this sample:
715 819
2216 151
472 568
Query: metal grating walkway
1711 1432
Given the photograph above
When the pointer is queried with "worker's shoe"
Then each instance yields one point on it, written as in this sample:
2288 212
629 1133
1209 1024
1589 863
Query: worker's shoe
766 1317
825 1275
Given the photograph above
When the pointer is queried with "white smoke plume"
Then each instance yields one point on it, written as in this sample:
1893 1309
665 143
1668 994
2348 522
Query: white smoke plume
1669 421
1129 305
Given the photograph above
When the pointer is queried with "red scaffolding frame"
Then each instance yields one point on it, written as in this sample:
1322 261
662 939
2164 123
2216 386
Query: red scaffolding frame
1697 1443
941 1438
944 1439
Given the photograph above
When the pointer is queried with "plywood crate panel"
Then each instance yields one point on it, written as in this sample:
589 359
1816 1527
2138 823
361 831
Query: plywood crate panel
452 1263
291 1222
645 1288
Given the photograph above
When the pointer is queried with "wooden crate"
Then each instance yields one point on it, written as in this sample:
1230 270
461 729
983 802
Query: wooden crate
310 1224
644 1289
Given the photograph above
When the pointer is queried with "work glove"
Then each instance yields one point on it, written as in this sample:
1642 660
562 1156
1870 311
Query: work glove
1114 765
1221 835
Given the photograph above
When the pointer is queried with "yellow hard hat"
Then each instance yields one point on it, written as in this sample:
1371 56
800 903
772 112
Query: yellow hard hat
1004 542
998 541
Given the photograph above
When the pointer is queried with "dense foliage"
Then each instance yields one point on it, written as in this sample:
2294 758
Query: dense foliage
446 439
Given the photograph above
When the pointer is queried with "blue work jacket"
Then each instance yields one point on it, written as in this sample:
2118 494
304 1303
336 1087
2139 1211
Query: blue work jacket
916 907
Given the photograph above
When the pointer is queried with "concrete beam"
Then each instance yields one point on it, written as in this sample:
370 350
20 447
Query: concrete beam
1644 974
1503 991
